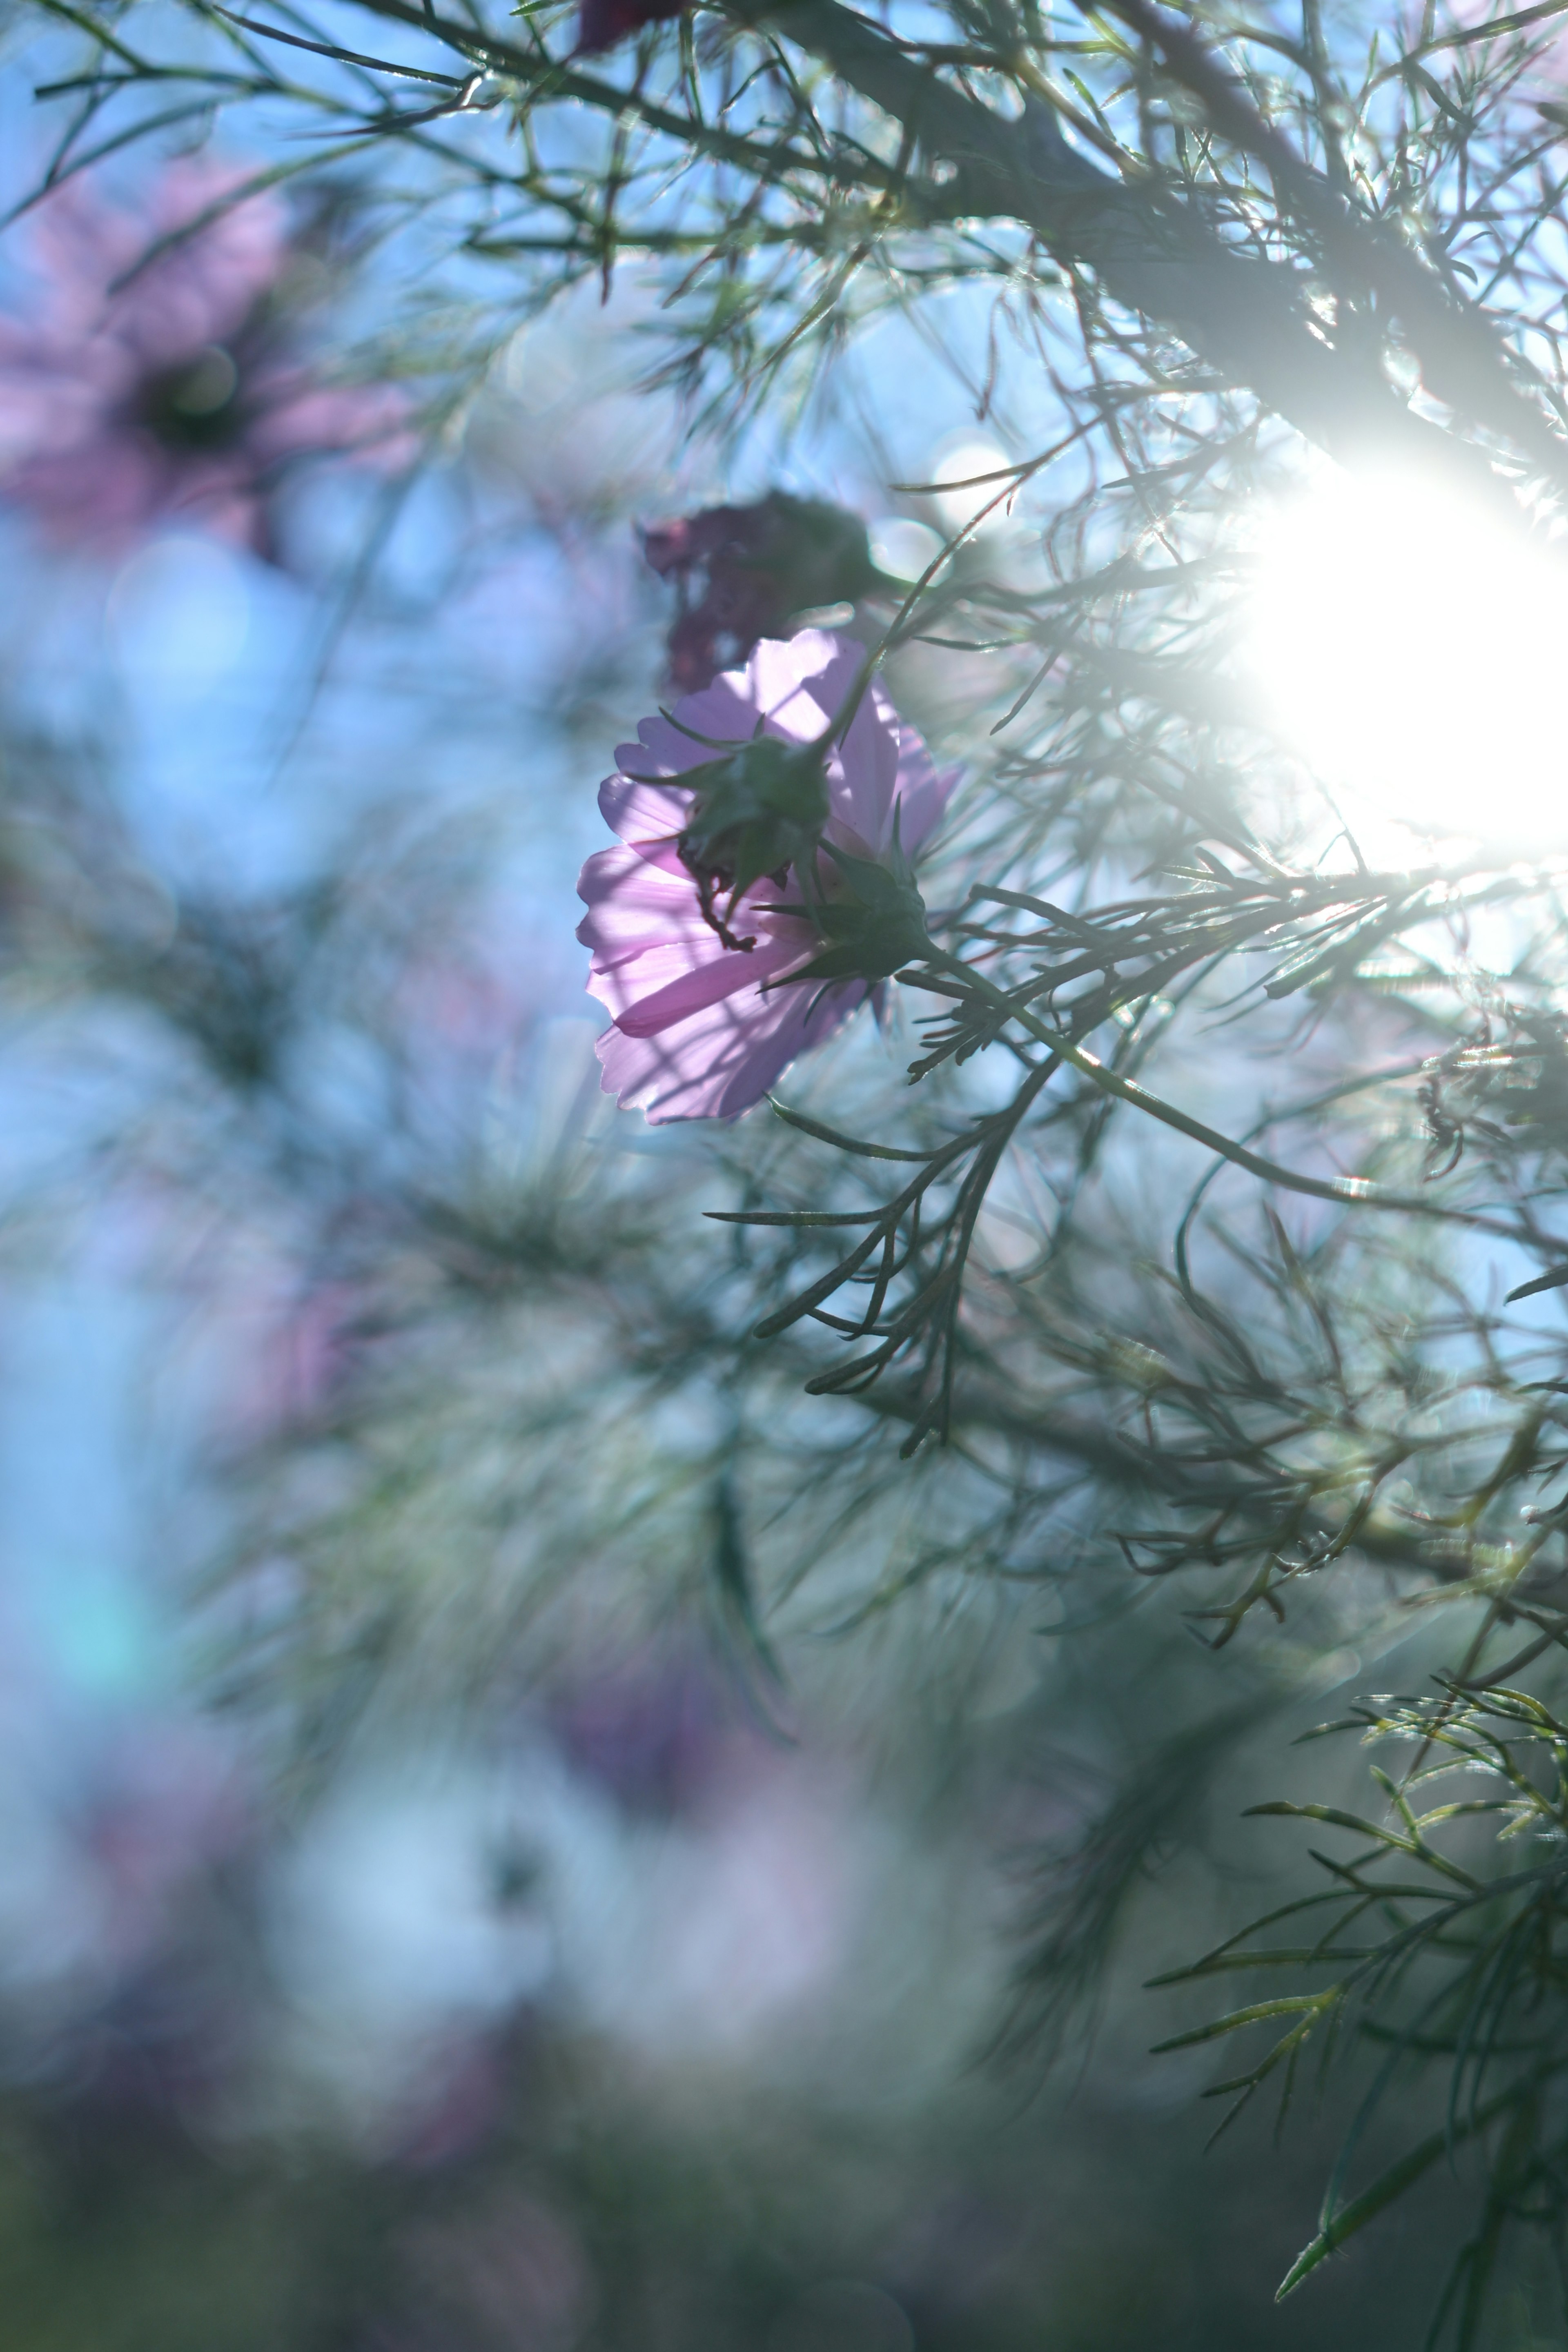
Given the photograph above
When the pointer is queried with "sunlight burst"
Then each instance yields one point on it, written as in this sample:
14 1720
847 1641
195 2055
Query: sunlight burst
1410 644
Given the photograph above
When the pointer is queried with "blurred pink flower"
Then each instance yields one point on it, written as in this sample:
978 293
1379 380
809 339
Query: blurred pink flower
696 1035
175 394
655 1733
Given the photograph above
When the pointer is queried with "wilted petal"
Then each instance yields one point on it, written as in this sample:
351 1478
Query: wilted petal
742 574
602 22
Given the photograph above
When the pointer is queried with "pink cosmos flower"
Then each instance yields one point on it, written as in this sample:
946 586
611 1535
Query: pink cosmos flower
701 1029
175 395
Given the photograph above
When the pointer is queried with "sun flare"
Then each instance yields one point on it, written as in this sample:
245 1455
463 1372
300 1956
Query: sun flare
1411 645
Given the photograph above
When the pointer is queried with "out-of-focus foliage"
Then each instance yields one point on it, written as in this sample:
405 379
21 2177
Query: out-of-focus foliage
1204 1295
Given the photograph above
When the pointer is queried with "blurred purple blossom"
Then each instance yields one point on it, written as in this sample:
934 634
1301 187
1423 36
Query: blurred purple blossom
742 574
652 1735
132 394
696 1032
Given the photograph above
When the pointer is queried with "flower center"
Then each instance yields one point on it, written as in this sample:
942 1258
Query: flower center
195 406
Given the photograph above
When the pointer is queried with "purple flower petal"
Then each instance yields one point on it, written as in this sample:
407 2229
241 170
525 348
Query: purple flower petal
723 1060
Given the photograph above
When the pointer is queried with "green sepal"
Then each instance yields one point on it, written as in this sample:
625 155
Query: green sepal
880 926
